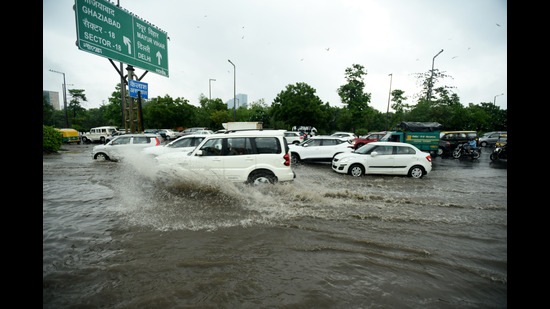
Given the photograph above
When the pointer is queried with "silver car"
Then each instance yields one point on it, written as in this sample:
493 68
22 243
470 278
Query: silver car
490 138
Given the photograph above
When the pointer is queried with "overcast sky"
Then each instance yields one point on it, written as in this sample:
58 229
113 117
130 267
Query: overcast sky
275 43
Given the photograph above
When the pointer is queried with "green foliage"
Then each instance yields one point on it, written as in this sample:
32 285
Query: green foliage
51 139
297 104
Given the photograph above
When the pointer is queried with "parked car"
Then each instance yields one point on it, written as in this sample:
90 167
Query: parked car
252 156
99 135
365 139
169 134
448 140
490 138
386 158
123 145
349 135
320 148
294 137
182 144
191 131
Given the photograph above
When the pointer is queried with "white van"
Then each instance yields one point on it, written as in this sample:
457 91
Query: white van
253 157
99 135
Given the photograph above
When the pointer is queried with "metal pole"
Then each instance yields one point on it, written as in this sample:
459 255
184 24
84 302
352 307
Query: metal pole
428 96
495 99
234 91
388 109
210 88
64 98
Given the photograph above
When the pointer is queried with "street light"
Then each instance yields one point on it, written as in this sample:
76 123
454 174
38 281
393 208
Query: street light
495 99
210 88
431 77
64 98
234 91
388 109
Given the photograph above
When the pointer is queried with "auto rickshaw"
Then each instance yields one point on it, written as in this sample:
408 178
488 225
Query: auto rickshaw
70 136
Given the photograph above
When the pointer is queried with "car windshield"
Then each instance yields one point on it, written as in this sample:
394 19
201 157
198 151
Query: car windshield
365 149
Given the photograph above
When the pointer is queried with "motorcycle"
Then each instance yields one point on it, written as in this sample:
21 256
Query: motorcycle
499 153
466 150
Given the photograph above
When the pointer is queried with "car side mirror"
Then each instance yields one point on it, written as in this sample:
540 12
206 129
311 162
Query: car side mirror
374 154
199 153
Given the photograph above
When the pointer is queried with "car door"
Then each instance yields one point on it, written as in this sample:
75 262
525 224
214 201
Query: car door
239 158
402 158
312 150
380 160
210 163
116 147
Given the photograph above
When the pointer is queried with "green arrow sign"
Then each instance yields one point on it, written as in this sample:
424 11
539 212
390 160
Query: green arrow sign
106 30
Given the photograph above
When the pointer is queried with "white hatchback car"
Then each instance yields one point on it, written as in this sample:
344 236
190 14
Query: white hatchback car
185 143
389 158
320 148
252 156
122 145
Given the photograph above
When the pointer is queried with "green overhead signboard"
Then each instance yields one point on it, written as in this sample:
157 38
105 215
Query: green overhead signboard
109 31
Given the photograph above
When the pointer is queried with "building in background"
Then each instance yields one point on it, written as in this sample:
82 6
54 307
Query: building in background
242 101
52 97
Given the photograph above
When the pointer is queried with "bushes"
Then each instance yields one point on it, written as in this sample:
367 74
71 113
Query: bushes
51 139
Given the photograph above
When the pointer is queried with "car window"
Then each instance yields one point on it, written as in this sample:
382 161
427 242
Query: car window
267 145
384 150
239 146
121 140
404 150
212 147
184 142
141 139
472 135
314 142
329 142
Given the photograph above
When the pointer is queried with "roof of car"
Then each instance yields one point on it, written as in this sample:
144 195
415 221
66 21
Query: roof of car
252 132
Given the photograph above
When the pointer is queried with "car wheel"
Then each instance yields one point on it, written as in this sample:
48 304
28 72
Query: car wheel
456 154
102 140
101 157
259 178
416 172
483 144
356 170
294 158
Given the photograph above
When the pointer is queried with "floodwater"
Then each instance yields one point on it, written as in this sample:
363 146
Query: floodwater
115 238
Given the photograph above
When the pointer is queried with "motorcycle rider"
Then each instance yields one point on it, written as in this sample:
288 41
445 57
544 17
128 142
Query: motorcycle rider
471 145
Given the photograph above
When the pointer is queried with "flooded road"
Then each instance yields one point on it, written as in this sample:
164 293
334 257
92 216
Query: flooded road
113 238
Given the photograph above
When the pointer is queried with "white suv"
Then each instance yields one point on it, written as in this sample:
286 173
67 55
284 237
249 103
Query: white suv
99 134
123 145
320 148
252 157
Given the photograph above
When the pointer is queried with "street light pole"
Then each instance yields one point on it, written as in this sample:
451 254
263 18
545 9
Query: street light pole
64 98
210 88
388 109
428 96
234 91
495 99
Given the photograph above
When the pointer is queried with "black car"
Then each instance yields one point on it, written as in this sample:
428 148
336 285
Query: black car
448 140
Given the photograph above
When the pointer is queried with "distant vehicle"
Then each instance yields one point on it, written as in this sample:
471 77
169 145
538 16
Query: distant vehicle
123 145
191 130
294 137
320 148
369 138
69 136
99 134
449 140
386 158
349 135
423 135
490 138
169 134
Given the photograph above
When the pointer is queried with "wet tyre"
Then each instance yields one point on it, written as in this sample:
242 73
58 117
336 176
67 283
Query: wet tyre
356 170
416 172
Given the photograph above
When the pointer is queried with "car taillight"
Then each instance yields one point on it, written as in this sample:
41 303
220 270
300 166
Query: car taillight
157 142
429 158
287 159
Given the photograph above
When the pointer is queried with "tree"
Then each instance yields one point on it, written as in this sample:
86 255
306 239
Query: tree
298 105
353 95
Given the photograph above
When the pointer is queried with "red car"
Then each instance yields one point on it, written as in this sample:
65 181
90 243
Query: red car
371 137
